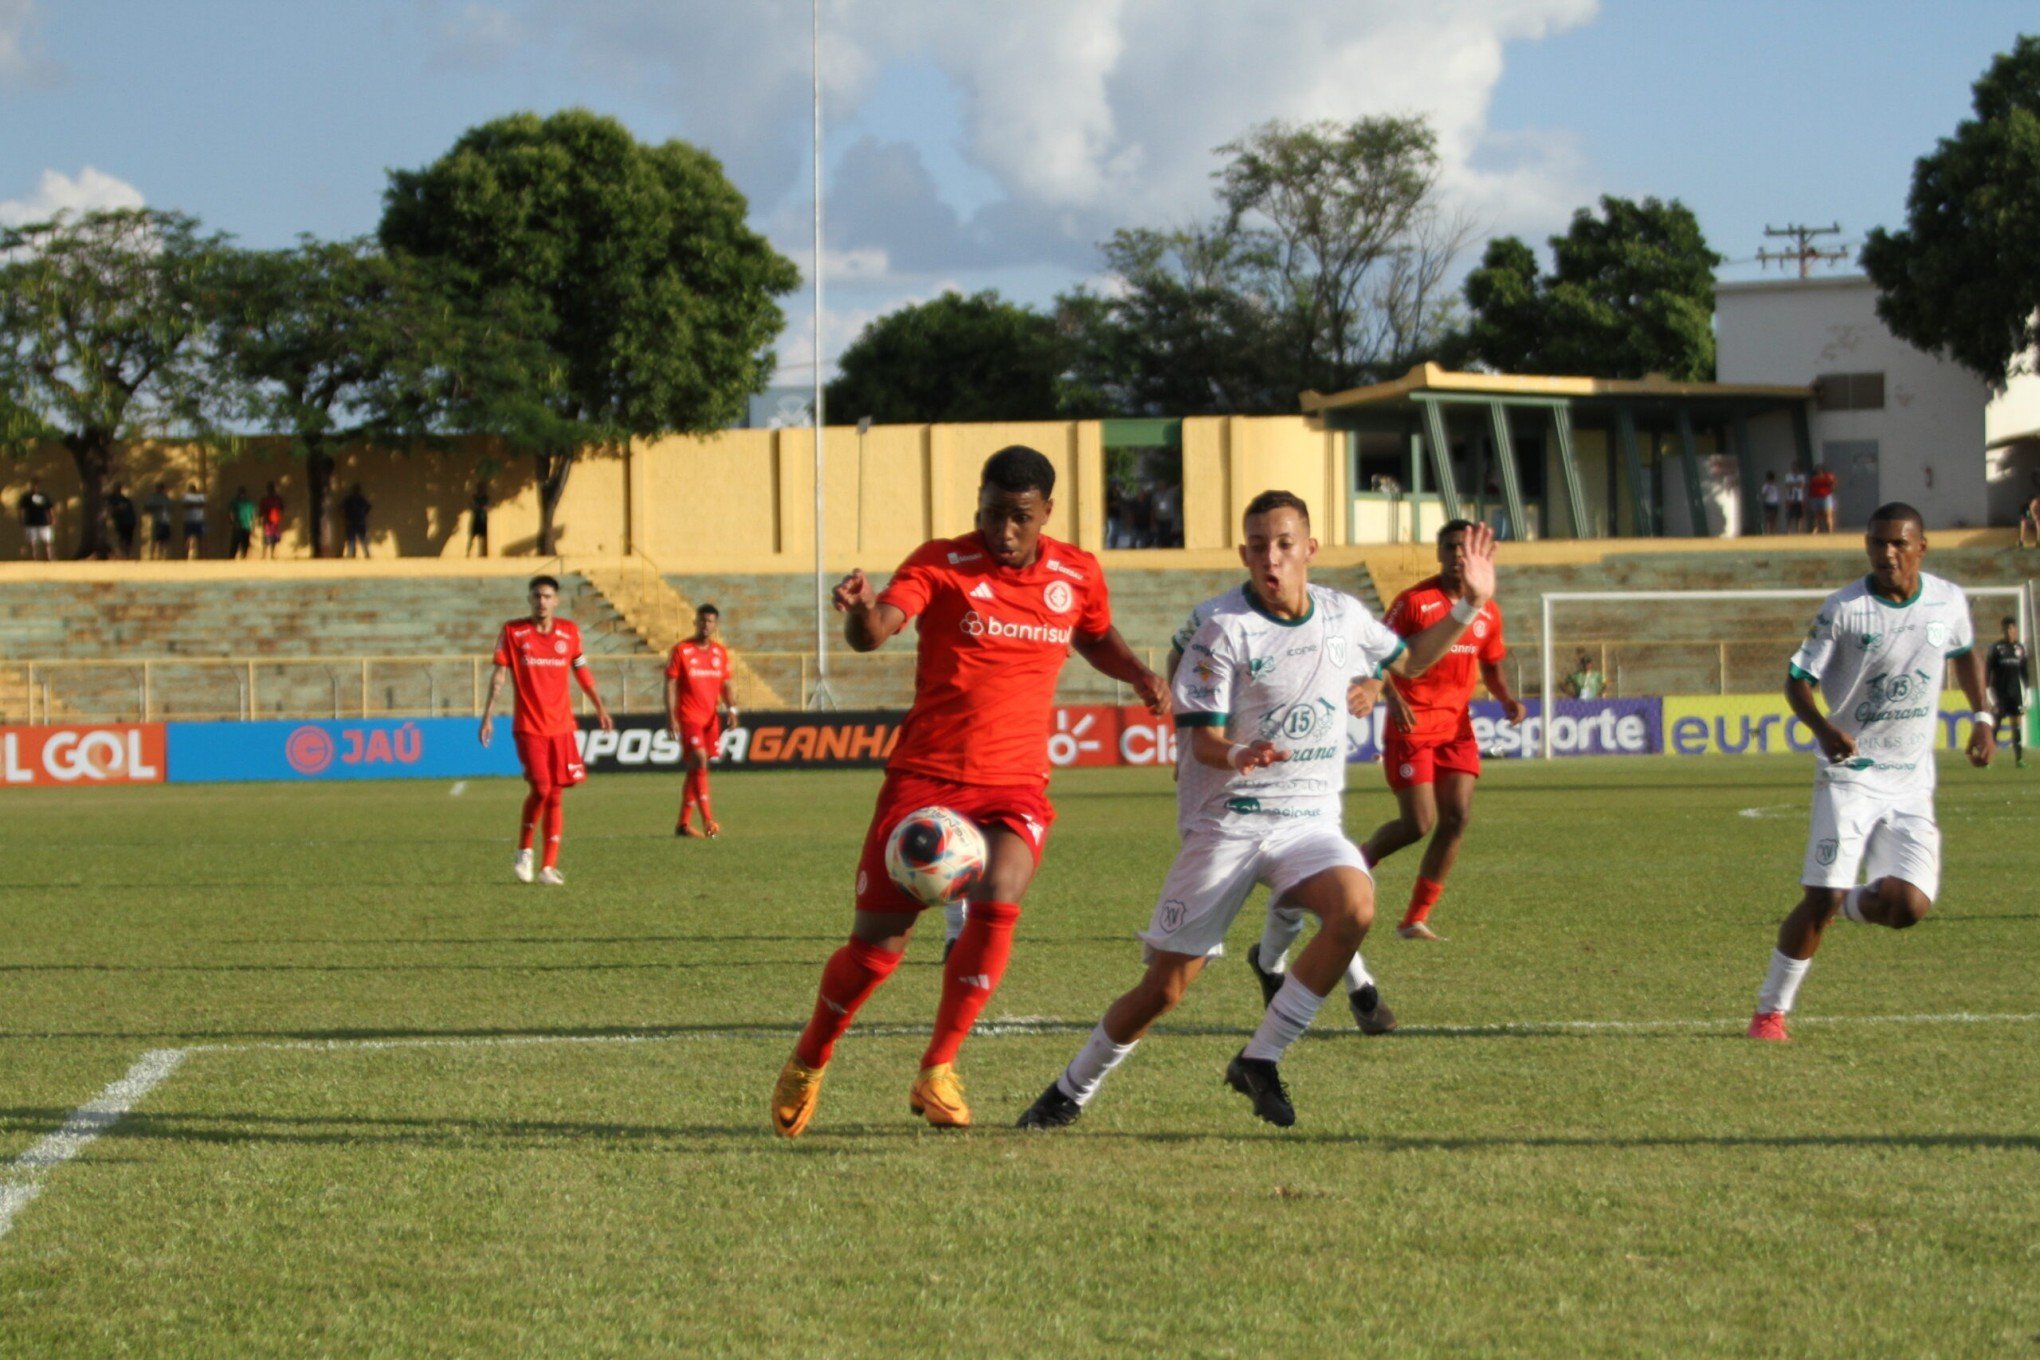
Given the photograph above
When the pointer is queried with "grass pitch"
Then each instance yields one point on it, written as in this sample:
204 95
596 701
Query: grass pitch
425 1110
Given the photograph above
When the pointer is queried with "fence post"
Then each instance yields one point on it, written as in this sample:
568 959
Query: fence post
475 686
148 687
251 690
1721 660
364 687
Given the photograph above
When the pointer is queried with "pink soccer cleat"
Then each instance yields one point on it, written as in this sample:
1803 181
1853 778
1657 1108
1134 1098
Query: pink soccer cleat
1769 1025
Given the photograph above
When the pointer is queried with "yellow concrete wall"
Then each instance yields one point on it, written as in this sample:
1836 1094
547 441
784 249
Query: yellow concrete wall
740 500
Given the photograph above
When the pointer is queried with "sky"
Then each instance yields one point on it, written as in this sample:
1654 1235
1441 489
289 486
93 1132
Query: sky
973 145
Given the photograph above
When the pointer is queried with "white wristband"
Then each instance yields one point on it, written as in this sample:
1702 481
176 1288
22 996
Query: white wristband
1465 611
1985 716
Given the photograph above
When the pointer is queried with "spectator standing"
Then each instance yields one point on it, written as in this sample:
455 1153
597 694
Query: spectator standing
270 514
120 512
241 518
38 523
1795 501
159 509
1820 491
1773 498
1169 516
354 516
478 520
194 521
1587 680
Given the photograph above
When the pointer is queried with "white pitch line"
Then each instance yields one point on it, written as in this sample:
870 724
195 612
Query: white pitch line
23 1178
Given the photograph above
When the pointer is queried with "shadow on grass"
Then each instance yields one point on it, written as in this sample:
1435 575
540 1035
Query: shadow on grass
453 1133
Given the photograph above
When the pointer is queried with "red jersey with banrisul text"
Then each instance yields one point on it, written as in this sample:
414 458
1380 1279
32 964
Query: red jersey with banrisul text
539 665
1438 698
992 642
702 668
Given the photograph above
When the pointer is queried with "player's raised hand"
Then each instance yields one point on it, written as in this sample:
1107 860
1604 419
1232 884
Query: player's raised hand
1255 755
853 591
1153 692
1362 695
1982 743
1480 564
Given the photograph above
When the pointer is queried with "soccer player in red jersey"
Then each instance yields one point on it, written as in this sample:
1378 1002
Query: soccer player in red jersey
536 653
1428 751
998 611
697 697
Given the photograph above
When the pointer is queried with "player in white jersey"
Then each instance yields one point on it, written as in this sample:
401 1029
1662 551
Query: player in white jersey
1260 702
1877 651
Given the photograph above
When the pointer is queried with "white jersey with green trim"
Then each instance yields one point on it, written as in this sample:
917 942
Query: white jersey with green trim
1259 677
1879 665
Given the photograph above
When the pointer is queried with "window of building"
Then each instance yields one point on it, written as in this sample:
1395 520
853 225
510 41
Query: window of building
1850 391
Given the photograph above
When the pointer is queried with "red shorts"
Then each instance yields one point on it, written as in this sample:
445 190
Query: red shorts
702 736
1411 762
550 762
1024 810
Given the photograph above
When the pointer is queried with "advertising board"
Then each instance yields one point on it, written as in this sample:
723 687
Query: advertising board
78 755
417 748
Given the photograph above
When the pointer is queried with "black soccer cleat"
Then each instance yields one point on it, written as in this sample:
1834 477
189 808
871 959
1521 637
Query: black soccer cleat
1271 983
1051 1110
1368 1013
1258 1080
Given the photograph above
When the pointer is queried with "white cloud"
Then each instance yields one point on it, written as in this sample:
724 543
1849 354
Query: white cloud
22 62
1088 114
57 192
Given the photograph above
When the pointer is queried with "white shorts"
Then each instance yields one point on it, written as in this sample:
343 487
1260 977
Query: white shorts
38 535
1213 875
1874 832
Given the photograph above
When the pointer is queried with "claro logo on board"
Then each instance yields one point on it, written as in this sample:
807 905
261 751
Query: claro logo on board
116 753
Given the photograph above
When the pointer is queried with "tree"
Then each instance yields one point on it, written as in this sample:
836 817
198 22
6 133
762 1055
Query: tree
649 301
1963 278
102 321
956 358
1325 270
310 333
1631 292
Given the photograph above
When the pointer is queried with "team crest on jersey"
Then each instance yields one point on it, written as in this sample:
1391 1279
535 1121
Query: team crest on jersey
1058 596
1480 628
559 646
1335 648
1824 852
1258 666
1937 634
1869 641
1172 914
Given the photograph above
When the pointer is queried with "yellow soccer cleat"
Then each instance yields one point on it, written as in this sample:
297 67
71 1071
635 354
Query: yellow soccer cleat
794 1096
938 1096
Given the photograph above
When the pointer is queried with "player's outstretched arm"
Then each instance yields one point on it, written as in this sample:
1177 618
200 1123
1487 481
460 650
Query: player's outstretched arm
866 622
1209 746
1983 732
1835 744
1109 655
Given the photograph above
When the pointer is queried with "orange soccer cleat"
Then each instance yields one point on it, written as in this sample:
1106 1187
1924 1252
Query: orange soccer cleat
938 1097
1769 1025
794 1097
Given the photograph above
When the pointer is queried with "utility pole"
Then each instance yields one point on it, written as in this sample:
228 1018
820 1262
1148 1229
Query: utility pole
1803 251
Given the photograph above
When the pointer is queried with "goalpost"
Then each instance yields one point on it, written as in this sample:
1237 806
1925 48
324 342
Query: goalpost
2024 600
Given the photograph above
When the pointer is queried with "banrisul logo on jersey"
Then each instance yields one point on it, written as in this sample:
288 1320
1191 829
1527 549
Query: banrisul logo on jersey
990 625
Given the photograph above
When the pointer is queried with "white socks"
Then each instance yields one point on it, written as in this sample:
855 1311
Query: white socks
1287 1017
1284 925
1357 975
1781 984
952 919
1093 1063
1852 904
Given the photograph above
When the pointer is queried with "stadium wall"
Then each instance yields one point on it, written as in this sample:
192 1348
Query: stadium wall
737 500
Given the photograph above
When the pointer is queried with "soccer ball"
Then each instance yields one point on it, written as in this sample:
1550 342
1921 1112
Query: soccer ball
935 855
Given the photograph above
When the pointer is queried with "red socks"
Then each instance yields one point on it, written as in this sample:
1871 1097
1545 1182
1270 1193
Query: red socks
1423 897
533 801
971 976
555 817
852 975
